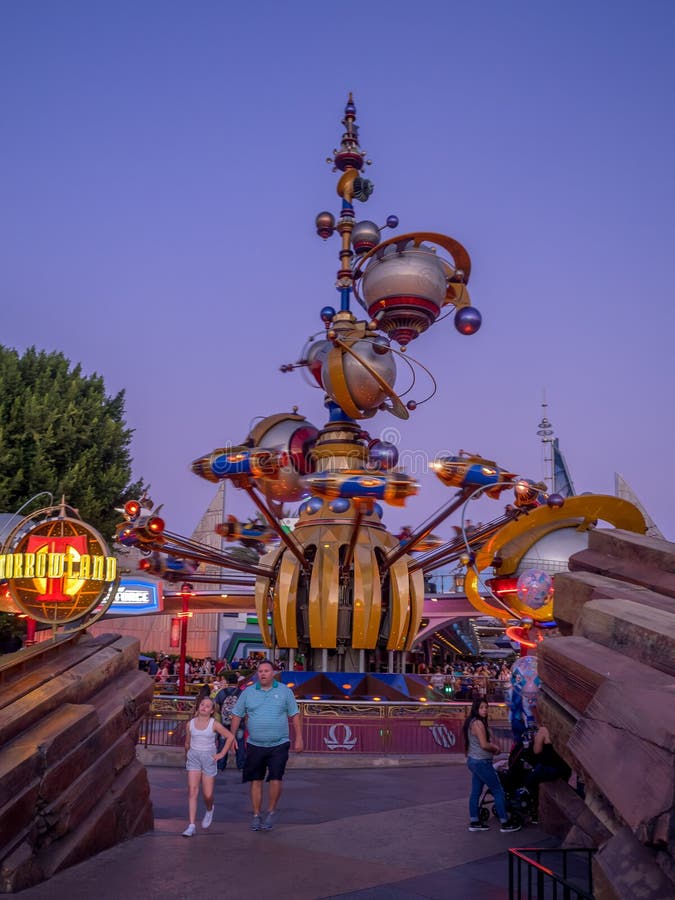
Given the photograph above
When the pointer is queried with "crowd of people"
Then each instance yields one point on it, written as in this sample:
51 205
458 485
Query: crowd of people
468 681
165 669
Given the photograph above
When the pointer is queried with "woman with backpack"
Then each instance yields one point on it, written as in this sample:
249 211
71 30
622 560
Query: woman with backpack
225 699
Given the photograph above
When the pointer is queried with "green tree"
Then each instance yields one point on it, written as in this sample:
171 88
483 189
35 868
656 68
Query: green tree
60 432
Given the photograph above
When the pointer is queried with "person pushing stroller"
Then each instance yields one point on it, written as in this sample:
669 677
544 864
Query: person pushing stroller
480 752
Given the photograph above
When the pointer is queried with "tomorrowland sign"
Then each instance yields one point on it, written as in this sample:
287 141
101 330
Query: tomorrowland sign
58 569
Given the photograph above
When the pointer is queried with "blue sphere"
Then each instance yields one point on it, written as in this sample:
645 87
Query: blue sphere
555 501
339 505
327 314
468 320
313 505
392 221
379 512
382 455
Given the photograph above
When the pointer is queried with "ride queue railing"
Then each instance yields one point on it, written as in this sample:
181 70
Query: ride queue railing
530 879
344 727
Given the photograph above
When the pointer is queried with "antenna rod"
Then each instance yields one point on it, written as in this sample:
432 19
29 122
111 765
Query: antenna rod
290 543
454 548
426 528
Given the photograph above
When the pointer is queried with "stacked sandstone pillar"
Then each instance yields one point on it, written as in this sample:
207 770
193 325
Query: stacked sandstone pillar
608 697
70 783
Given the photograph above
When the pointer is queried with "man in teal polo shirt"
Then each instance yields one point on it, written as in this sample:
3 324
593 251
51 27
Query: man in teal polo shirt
267 705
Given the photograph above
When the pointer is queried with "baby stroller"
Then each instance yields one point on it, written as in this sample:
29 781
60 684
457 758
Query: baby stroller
513 772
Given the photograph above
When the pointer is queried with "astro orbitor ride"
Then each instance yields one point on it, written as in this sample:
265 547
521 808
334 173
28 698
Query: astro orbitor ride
340 587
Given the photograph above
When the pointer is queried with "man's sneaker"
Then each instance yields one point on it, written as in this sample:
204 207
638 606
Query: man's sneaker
270 818
508 826
256 823
190 831
208 817
478 826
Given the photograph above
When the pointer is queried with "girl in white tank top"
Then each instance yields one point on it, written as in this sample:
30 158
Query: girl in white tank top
201 759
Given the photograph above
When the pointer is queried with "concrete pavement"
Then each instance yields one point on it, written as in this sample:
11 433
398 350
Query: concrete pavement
398 833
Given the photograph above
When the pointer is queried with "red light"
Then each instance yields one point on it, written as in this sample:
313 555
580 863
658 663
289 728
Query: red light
144 565
502 586
132 508
156 525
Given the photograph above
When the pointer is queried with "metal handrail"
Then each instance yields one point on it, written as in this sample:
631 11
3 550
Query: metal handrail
542 881
396 727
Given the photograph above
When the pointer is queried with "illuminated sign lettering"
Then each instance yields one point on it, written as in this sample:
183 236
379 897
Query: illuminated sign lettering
136 596
58 566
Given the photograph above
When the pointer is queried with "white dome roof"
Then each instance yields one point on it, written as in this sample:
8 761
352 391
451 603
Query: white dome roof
552 552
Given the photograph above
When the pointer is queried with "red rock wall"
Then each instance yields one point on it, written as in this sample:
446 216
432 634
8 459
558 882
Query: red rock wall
70 783
608 697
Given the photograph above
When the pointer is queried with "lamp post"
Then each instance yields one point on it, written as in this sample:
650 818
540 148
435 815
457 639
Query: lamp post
30 631
184 615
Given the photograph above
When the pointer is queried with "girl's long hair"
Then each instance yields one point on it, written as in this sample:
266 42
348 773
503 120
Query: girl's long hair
474 714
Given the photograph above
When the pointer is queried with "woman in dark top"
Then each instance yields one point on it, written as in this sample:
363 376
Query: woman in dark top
547 765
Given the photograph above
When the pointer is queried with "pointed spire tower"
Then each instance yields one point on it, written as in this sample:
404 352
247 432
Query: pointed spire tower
555 471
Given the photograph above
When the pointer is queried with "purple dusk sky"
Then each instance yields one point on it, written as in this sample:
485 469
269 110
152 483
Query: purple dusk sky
163 162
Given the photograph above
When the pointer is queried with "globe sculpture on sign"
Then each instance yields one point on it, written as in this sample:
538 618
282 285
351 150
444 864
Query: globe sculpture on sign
534 588
340 588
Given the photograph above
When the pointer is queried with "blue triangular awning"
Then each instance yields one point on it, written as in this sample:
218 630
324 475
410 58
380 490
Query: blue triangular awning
345 682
